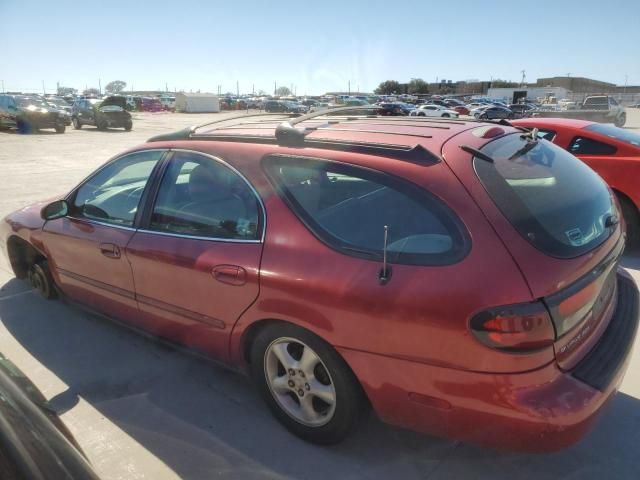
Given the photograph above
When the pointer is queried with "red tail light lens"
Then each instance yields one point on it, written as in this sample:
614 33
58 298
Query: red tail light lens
521 328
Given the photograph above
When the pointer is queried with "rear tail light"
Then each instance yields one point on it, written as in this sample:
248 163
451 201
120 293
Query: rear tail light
520 328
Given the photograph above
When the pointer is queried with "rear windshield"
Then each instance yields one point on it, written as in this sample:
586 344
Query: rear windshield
553 199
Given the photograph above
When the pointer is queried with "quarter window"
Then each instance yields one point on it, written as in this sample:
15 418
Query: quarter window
113 194
348 207
588 146
201 197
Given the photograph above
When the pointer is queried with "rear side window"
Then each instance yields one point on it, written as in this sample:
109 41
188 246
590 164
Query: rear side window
347 208
588 146
553 199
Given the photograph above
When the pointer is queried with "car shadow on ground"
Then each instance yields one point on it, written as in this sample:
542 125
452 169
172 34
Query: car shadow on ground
13 131
201 420
91 129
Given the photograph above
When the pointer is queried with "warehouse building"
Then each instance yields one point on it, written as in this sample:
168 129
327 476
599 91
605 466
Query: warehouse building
514 94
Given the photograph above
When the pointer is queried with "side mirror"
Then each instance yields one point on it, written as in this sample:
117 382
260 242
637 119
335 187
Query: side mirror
57 209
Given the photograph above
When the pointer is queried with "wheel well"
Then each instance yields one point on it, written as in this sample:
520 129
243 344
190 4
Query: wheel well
624 198
21 256
254 329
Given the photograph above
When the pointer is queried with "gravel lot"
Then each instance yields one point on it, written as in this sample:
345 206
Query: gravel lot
141 410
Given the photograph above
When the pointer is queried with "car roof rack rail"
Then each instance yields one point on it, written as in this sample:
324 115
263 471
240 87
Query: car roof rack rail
287 135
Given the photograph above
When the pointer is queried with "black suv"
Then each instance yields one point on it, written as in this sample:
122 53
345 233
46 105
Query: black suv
105 113
29 113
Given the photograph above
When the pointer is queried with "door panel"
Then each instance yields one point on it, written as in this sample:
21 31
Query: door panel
86 249
192 291
84 271
196 258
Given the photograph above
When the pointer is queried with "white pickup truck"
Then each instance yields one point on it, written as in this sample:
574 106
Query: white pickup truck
595 108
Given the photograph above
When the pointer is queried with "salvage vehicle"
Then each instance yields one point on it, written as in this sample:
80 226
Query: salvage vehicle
493 112
61 105
429 110
595 108
34 443
349 260
29 113
108 112
614 153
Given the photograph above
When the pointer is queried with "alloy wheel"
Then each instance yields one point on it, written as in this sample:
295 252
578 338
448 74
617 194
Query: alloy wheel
299 382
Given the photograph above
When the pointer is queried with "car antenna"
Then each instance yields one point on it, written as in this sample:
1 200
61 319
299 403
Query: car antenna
385 271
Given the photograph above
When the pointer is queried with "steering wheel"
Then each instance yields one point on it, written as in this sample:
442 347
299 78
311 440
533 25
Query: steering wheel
135 194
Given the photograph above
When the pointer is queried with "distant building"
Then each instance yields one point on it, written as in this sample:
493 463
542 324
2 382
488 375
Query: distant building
513 94
577 84
197 102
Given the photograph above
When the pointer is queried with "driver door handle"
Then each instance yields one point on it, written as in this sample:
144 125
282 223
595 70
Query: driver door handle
110 250
230 274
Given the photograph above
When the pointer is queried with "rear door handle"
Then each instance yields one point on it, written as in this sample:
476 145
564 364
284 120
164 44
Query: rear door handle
110 250
230 274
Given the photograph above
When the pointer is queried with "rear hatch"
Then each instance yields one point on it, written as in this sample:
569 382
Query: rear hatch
559 221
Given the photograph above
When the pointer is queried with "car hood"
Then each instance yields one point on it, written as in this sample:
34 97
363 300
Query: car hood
116 100
35 109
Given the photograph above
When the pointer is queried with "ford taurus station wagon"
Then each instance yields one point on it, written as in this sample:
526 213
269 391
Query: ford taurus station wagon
461 278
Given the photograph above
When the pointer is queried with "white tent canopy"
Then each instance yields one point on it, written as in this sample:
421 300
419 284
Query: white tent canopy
197 102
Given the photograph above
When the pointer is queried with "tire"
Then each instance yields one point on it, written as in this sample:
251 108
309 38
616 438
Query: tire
128 126
322 422
631 218
422 114
60 128
100 124
620 120
483 117
42 281
76 123
446 115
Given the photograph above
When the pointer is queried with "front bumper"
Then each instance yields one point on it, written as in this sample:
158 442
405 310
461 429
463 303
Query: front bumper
46 121
542 410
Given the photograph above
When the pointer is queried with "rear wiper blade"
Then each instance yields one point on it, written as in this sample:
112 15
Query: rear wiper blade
527 148
477 153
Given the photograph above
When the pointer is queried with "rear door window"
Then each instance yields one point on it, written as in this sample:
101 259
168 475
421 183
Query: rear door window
348 207
588 146
553 199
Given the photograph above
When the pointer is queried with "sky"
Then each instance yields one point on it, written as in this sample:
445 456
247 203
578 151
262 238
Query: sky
315 47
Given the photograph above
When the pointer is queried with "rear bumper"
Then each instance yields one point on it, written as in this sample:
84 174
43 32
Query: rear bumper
542 410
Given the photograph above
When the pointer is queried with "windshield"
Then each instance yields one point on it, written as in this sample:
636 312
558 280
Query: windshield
627 136
553 199
27 101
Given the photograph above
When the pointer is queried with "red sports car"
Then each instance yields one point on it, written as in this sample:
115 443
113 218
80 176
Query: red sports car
461 278
614 153
462 110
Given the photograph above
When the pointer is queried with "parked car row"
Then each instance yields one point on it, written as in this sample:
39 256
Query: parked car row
29 113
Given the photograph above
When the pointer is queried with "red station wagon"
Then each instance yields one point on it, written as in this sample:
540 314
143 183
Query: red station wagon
614 153
460 277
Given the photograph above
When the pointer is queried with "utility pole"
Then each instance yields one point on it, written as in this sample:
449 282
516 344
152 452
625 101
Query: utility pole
166 87
253 89
275 87
523 77
99 87
624 92
349 87
44 92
